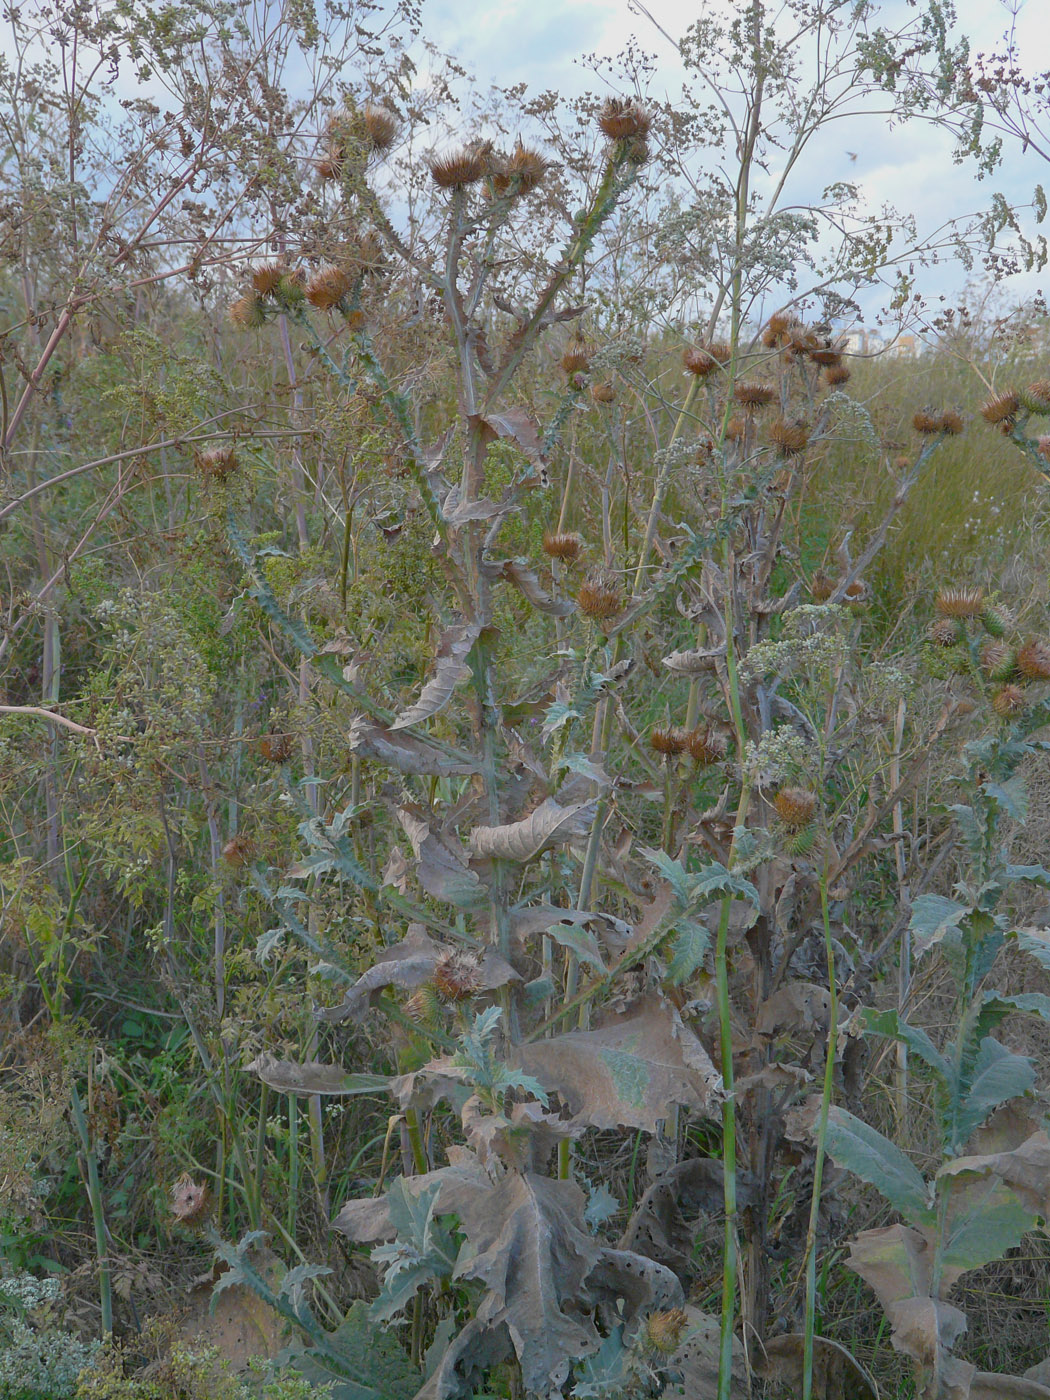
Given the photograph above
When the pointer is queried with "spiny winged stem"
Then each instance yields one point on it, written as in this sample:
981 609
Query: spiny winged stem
822 1133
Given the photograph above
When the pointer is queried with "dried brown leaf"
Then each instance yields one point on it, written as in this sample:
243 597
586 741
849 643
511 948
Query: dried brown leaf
796 1006
696 1361
1025 1170
525 580
441 865
988 1386
549 825
312 1077
449 671
512 423
663 1226
368 1221
836 1374
403 752
629 1072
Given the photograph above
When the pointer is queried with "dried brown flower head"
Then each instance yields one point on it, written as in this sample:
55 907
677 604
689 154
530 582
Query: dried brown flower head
669 741
703 360
463 167
189 1202
457 977
424 1006
945 632
217 463
822 586
603 393
796 807
790 438
1001 409
380 125
266 278
1033 660
599 597
754 395
926 422
951 422
707 746
329 166
959 602
1042 446
663 1330
577 356
238 850
1036 398
521 172
837 374
247 312
563 545
826 356
276 748
735 429
327 288
622 118
1008 701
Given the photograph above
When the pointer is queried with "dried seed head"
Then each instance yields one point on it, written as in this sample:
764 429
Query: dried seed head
959 602
599 597
1001 409
754 395
1008 701
703 360
789 438
189 1202
577 356
620 119
669 741
822 586
945 632
521 172
837 374
826 356
998 660
1033 660
327 288
926 422
276 748
950 423
216 464
457 977
856 591
663 1330
796 807
603 393
247 312
238 850
463 167
380 125
1036 398
736 429
707 746
561 545
265 278
329 165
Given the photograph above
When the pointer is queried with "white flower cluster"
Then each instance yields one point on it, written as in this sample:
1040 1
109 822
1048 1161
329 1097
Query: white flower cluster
780 755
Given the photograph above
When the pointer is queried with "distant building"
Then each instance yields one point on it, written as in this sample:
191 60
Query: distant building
861 341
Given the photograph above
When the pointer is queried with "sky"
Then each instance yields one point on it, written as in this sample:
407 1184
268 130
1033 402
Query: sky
543 43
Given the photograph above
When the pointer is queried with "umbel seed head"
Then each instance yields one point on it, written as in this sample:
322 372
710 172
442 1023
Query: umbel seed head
796 807
562 545
599 597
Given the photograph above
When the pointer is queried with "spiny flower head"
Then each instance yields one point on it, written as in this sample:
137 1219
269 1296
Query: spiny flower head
669 741
945 632
599 597
703 360
247 312
822 586
1001 409
998 659
457 977
622 118
380 125
563 545
276 748
189 1201
796 807
576 358
789 438
959 602
521 172
663 1330
424 1006
1036 398
707 746
837 374
466 166
754 395
290 291
996 619
238 850
218 463
603 393
1008 701
267 277
327 287
1033 660
826 356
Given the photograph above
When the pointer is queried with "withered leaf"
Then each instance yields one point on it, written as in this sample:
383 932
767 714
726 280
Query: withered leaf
1025 1170
987 1385
514 424
403 752
796 1006
311 1077
628 1072
836 1372
441 865
449 670
526 582
695 1363
549 825
367 1221
693 663
663 1226
408 964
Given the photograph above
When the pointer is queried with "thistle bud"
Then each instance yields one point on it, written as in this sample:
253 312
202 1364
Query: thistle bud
247 312
290 291
945 632
424 1006
457 977
1009 701
707 746
998 661
1036 398
1033 660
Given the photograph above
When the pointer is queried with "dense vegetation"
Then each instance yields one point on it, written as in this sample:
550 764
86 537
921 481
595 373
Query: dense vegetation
523 797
